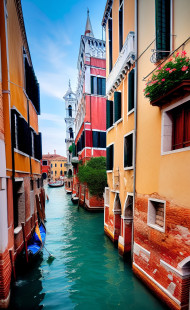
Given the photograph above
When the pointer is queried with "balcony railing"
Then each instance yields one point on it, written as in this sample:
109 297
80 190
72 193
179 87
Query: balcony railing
124 61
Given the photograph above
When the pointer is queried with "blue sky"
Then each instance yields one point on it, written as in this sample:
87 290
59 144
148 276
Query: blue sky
53 30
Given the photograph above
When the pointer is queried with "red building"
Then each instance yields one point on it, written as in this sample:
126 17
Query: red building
90 121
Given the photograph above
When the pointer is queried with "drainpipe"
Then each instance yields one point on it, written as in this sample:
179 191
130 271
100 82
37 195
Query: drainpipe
135 120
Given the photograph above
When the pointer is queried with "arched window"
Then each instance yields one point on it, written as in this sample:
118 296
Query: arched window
70 110
71 133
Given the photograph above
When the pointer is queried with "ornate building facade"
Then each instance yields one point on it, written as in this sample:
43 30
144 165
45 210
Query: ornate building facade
90 128
70 107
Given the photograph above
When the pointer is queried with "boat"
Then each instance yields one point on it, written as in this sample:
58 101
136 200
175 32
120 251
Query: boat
74 199
68 190
36 243
58 183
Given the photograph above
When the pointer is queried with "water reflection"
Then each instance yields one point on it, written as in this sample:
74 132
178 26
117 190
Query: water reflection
87 272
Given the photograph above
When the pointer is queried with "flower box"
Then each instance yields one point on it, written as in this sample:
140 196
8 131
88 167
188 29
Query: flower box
180 90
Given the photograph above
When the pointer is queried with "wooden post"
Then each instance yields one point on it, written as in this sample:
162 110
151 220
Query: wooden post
11 253
38 208
42 204
25 241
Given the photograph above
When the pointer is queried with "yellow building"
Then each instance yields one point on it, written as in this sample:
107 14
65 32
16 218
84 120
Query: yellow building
147 202
119 23
58 167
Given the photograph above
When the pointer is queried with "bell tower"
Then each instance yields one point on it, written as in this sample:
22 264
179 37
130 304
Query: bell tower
70 107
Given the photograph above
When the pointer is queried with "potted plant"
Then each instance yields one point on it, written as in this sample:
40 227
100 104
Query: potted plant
171 76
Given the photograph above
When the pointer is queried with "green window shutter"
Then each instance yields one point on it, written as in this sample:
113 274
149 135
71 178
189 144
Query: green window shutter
117 106
131 79
73 150
162 27
92 85
109 157
109 113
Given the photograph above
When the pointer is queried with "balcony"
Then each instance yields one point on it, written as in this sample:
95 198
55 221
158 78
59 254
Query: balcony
124 61
69 140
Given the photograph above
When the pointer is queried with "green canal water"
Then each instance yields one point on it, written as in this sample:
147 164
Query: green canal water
87 272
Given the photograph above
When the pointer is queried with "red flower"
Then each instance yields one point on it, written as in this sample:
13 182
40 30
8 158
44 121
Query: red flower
184 68
167 69
174 69
177 54
163 80
159 68
147 94
183 53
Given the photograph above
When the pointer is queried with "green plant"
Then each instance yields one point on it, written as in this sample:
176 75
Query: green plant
94 174
167 76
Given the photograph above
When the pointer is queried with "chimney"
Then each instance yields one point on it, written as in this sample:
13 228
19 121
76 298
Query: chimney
55 152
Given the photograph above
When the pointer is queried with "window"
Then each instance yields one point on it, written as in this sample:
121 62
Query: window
71 133
19 204
38 183
176 128
60 165
109 157
55 165
128 211
156 214
31 185
128 151
99 139
117 106
162 28
120 24
107 196
98 85
131 93
44 163
181 126
55 172
109 113
61 172
110 42
70 110
32 86
51 165
51 172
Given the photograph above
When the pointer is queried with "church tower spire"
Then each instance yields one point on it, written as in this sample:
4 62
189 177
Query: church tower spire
88 29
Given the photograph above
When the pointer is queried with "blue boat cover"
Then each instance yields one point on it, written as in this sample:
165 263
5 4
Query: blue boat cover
35 243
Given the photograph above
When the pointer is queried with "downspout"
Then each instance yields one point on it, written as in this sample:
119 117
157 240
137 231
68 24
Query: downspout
135 120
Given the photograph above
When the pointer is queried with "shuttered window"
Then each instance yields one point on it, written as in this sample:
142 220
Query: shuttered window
181 126
110 42
109 157
20 133
162 27
109 113
88 138
38 146
131 84
32 86
121 25
99 139
128 151
98 86
117 106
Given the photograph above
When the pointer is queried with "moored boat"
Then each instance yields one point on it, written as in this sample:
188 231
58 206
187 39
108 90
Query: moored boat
58 183
37 241
74 199
68 190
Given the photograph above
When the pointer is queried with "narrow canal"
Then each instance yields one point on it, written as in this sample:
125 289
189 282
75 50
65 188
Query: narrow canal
87 272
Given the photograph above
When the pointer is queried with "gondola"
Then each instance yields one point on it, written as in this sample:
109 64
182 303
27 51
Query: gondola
36 243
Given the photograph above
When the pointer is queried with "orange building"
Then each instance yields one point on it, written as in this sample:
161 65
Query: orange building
147 204
53 166
119 23
20 141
